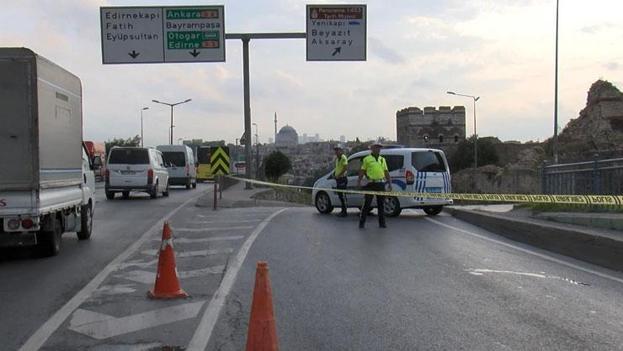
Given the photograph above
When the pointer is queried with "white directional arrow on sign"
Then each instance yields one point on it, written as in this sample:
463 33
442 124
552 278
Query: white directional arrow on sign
102 326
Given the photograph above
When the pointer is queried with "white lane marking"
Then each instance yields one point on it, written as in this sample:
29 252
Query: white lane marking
102 326
202 240
533 275
51 325
115 289
200 230
543 256
196 253
210 316
137 263
145 277
226 222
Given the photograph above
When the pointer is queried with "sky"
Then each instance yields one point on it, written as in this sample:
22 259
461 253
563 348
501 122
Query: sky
500 50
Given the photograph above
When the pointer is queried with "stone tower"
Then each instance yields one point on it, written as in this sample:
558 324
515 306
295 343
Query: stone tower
441 128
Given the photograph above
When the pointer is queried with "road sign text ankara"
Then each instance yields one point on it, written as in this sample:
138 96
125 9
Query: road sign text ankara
162 34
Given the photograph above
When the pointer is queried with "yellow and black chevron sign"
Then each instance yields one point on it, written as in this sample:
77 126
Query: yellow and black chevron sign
219 160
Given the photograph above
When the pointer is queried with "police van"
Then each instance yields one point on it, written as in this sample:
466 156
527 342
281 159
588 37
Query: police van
411 170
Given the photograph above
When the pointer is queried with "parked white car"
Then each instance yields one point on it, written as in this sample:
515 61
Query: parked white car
180 162
136 169
411 170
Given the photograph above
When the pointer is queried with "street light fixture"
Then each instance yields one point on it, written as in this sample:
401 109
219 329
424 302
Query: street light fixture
143 109
475 98
172 105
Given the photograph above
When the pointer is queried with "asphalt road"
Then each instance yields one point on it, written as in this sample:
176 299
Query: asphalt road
32 289
421 284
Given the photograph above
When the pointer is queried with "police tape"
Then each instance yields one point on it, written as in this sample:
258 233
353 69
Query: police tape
601 200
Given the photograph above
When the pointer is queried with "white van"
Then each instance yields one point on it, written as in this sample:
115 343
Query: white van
180 162
411 170
136 169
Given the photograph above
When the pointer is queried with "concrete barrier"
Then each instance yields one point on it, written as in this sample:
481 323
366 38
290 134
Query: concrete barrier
594 246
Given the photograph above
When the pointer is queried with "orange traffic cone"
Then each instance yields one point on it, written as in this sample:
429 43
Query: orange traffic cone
262 335
167 284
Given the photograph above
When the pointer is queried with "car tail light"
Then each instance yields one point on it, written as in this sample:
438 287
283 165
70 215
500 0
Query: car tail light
27 223
150 176
410 177
13 224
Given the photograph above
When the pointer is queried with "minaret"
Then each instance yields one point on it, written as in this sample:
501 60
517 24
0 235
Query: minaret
275 126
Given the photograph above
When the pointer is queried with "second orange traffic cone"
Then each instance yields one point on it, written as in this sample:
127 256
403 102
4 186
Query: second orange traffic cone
262 334
167 284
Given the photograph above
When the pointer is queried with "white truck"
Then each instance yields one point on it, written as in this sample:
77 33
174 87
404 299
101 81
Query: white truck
47 185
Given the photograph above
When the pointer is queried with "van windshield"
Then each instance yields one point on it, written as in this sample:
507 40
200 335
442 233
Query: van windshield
428 161
175 158
129 156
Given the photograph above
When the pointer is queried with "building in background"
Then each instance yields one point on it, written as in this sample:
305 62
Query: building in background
441 128
287 136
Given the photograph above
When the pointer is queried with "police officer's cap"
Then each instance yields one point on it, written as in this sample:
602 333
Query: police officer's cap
376 145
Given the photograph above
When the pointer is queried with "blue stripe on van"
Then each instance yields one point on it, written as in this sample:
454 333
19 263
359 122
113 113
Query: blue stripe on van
400 183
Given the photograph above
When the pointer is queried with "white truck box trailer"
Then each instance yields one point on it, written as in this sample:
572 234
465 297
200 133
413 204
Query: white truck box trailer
46 180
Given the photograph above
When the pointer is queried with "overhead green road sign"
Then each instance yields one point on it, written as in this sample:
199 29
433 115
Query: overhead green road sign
163 34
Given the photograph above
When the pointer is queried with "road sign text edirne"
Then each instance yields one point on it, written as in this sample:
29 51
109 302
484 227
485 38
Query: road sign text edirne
163 34
336 32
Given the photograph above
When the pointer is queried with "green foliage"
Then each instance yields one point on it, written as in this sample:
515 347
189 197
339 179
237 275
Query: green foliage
133 141
315 174
275 165
464 156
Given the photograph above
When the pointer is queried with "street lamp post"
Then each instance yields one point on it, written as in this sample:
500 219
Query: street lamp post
257 153
555 141
143 109
172 105
475 98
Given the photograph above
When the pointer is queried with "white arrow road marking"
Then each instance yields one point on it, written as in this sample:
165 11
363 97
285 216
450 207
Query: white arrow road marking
102 326
115 289
137 263
225 222
533 275
145 277
202 240
192 253
200 230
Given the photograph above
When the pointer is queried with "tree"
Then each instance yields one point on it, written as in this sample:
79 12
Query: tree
464 156
275 165
133 141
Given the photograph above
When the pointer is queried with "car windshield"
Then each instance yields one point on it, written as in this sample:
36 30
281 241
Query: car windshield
175 158
129 156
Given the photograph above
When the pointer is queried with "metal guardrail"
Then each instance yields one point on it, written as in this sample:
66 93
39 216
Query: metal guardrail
598 177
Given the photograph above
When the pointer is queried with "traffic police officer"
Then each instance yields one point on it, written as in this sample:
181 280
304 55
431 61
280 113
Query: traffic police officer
375 169
341 163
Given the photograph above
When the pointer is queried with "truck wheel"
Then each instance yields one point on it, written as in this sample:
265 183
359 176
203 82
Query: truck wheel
50 244
432 210
86 221
154 191
110 195
126 194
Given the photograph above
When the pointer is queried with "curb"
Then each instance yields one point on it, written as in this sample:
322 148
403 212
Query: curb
579 243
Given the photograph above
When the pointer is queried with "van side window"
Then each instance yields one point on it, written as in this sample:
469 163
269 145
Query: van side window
428 161
394 162
354 165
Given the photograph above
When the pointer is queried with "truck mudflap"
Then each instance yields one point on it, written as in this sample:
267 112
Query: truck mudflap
17 239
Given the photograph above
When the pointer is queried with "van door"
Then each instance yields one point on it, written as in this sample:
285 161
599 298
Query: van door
352 172
128 167
432 174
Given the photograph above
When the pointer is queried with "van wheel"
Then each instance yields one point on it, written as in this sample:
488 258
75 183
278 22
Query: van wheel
50 244
110 195
154 191
86 221
188 184
323 203
195 185
432 210
126 194
391 206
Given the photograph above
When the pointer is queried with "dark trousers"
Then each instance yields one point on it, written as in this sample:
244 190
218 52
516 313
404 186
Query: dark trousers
342 183
368 201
